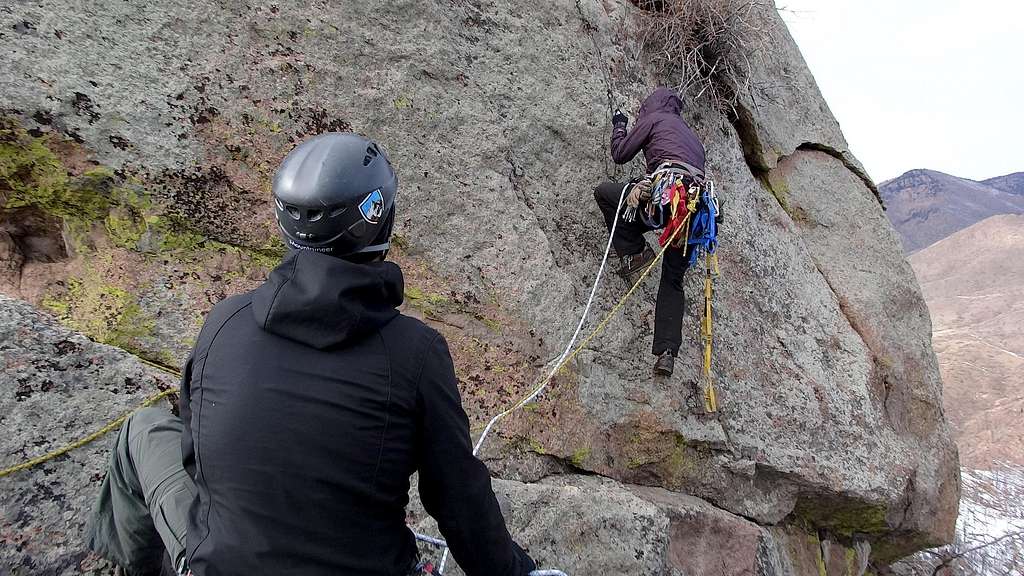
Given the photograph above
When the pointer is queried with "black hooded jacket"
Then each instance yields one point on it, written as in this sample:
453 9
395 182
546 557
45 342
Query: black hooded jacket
307 405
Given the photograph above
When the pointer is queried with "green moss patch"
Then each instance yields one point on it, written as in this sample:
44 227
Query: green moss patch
778 186
843 518
270 254
491 324
536 447
32 175
399 242
426 302
129 220
103 312
579 456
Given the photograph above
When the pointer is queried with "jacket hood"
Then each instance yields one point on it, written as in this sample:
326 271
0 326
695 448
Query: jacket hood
662 100
323 301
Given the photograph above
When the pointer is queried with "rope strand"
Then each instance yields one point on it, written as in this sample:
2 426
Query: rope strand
109 427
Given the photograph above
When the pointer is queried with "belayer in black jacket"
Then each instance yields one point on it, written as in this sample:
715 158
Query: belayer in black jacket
305 407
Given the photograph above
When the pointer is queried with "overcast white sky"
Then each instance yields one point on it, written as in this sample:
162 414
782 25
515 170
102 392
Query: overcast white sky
920 83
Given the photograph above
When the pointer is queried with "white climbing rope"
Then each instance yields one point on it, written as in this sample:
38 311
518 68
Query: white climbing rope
554 369
572 341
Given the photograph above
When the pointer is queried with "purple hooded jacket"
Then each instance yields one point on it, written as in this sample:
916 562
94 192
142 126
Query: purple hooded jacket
660 132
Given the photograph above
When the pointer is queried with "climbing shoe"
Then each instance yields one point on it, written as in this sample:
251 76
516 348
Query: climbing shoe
664 364
633 263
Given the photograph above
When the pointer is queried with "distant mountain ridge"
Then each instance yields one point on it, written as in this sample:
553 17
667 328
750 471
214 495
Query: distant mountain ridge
1012 183
925 206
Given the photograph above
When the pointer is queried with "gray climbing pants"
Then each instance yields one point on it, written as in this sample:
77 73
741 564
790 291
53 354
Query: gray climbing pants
140 514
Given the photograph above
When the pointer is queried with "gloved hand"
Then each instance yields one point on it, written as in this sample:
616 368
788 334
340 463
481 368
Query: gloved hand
641 192
619 118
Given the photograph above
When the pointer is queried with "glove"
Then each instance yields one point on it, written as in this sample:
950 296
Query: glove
619 118
633 200
641 192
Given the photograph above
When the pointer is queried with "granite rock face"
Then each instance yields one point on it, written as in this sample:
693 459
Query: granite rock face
592 525
56 387
496 117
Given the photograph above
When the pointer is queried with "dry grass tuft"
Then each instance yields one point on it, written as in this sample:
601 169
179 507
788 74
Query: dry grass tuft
708 49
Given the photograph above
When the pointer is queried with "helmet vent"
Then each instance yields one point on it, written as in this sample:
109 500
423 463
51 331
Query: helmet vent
293 212
314 215
337 211
371 153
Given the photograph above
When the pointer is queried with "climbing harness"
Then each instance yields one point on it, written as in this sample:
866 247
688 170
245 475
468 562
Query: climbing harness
673 197
683 198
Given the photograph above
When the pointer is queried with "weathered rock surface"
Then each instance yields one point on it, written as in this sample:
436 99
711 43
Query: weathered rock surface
56 386
592 525
495 114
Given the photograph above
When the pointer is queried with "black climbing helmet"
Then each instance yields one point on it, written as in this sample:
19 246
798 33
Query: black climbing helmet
335 193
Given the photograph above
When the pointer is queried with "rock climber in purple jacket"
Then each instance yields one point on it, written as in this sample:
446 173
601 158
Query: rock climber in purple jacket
667 142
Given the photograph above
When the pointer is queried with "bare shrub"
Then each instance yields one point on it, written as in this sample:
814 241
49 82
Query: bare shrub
706 48
989 537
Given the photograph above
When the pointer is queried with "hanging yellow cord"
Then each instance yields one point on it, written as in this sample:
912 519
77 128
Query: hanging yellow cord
710 271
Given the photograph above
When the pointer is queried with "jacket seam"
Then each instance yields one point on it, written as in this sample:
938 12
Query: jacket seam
387 410
199 425
423 362
273 301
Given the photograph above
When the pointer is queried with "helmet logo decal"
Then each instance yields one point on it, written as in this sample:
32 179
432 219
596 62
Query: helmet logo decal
372 207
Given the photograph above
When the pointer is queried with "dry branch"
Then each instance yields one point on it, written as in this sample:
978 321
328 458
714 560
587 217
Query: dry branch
706 48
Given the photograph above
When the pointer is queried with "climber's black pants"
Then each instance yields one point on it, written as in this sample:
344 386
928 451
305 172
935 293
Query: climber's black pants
139 518
629 239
